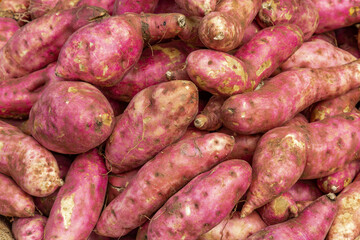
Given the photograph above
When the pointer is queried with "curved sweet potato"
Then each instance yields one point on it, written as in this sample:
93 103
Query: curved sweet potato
209 119
29 228
124 6
8 27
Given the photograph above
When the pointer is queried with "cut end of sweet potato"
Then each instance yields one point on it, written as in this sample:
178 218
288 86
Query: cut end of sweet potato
331 196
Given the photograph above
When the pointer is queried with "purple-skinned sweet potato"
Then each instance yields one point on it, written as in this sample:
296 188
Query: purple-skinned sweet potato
25 52
16 9
71 117
203 203
14 202
124 6
209 118
346 225
159 179
235 227
299 12
118 183
151 69
8 27
32 166
30 228
336 182
225 75
312 223
79 202
197 7
285 95
124 35
156 117
347 39
317 54
223 29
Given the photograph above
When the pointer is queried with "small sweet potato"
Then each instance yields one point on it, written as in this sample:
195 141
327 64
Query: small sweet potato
8 27
209 119
79 202
14 202
124 6
159 114
197 7
203 203
165 174
30 228
118 183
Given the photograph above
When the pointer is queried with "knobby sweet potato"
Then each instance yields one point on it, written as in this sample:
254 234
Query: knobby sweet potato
124 6
209 118
8 27
30 228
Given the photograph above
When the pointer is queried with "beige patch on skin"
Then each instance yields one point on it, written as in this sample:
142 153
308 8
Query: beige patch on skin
354 11
280 206
72 90
347 109
1 145
106 119
66 209
172 53
263 67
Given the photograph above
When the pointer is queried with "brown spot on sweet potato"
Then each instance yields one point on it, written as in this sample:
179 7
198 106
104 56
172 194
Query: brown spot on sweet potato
113 212
210 62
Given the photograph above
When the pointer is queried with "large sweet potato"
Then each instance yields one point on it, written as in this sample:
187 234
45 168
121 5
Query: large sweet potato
124 6
8 27
30 228
202 203
162 176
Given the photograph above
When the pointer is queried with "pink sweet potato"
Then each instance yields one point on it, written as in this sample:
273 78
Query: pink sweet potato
32 167
346 225
347 39
159 179
197 7
190 33
71 117
30 228
250 31
124 6
156 117
14 202
223 29
118 183
209 119
151 69
222 74
169 6
192 132
235 227
124 35
79 202
336 182
8 27
285 95
304 190
27 52
16 9
329 37
302 13
203 203
313 223
142 231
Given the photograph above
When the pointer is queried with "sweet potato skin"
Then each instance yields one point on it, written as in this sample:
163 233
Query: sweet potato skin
158 114
197 7
59 104
32 166
8 27
84 190
304 190
14 201
209 118
124 6
202 203
29 228
189 157
117 184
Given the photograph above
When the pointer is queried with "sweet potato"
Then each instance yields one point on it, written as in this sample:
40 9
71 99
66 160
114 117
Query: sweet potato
14 202
235 227
165 174
5 229
29 228
190 33
304 190
223 74
203 203
159 114
151 69
71 117
347 39
313 223
38 8
124 35
197 7
79 202
8 27
346 225
27 52
223 29
336 182
124 6
285 95
32 167
302 13
16 9
329 37
142 231
209 119
118 183
169 6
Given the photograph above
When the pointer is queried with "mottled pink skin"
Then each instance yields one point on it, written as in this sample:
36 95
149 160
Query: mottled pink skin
16 9
346 225
317 54
285 95
38 8
209 119
31 228
79 202
334 14
304 190
250 31
223 29
192 132
117 184
142 231
312 223
124 6
347 39
17 96
190 33
298 120
150 69
14 202
235 227
203 203
8 27
331 107
302 13
156 117
329 37
27 51
159 179
71 117
197 7
32 166
336 182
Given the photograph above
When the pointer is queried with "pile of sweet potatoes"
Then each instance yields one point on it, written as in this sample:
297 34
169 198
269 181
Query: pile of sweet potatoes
179 120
